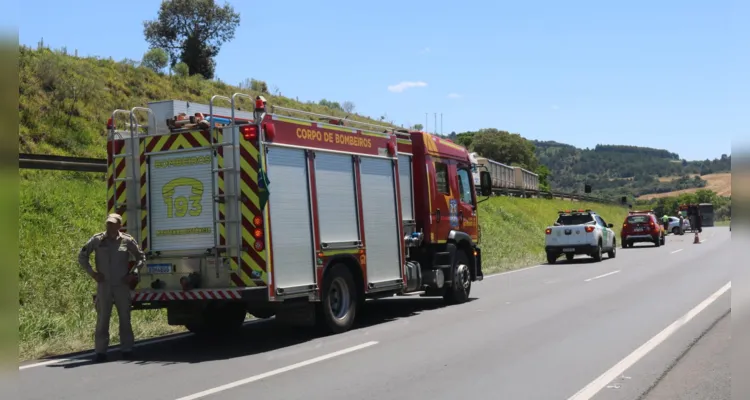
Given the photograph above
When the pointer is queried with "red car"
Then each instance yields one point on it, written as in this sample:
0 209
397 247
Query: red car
642 226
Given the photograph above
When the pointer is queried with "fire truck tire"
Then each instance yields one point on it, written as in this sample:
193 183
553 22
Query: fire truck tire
339 303
458 291
219 319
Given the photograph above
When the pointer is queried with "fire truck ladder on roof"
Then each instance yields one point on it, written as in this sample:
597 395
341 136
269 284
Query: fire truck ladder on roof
331 120
131 156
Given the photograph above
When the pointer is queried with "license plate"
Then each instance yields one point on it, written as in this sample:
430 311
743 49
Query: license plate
569 250
638 230
160 268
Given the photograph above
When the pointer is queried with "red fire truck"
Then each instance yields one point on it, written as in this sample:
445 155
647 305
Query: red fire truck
286 213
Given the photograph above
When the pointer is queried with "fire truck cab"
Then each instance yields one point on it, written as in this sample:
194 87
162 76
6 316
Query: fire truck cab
288 213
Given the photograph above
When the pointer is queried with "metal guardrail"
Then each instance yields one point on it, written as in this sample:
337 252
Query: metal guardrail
82 164
554 195
61 163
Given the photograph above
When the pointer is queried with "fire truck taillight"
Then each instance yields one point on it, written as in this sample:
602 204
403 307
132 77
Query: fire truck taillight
258 235
249 132
257 221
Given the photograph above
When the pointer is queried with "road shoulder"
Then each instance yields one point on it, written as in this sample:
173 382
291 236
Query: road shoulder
642 379
703 372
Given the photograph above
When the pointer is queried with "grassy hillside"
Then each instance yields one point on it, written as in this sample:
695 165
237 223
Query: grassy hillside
720 183
56 313
65 101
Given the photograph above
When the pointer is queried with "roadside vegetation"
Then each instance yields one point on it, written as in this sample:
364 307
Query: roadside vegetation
56 313
513 228
668 205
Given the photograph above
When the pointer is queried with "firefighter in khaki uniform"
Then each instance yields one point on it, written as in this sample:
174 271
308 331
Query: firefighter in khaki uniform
113 278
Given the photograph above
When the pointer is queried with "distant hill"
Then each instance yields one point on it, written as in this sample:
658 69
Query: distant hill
615 170
720 183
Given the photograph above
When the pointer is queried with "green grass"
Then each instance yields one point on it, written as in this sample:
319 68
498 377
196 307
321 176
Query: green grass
513 228
65 101
59 211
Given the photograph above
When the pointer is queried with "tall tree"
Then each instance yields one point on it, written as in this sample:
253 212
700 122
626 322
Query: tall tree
192 31
505 147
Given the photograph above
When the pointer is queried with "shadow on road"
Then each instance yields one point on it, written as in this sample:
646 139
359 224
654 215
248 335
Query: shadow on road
261 336
579 260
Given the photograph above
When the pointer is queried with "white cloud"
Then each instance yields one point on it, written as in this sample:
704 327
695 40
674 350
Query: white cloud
401 86
455 96
425 50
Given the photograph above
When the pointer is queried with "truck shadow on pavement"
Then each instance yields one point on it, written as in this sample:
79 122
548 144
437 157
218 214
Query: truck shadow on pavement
261 336
578 261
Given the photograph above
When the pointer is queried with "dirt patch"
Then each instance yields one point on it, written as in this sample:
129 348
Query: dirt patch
674 178
719 183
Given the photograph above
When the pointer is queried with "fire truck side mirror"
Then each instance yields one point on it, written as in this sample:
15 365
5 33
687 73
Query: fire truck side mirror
485 183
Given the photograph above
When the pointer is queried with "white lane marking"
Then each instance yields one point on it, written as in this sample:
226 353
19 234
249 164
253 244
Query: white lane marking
515 270
147 342
597 384
602 276
277 371
677 251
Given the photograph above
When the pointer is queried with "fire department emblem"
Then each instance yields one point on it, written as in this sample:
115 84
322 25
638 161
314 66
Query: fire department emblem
453 213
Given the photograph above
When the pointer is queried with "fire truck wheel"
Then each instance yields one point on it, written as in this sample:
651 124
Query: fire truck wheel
458 291
339 303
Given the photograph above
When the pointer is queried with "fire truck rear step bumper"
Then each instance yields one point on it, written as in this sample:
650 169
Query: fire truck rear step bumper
142 299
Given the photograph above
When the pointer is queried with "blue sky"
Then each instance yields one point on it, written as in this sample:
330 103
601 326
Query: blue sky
666 74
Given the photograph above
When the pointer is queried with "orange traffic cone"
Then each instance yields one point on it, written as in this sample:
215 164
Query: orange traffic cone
696 240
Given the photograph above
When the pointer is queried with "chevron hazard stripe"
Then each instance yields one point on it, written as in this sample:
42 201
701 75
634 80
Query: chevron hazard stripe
222 294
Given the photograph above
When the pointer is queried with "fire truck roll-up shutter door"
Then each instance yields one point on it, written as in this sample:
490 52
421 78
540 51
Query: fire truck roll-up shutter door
337 201
289 202
381 220
181 212
405 185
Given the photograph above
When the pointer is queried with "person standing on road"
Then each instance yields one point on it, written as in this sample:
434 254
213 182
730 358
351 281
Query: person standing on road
682 231
665 222
113 278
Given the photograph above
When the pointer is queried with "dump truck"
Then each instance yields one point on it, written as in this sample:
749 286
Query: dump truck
284 213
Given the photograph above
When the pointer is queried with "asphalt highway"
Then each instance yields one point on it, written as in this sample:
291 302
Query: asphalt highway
617 329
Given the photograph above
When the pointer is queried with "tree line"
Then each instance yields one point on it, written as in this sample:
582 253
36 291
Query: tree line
669 205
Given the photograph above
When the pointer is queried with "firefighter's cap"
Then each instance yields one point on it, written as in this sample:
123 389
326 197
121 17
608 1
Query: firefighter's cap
114 218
